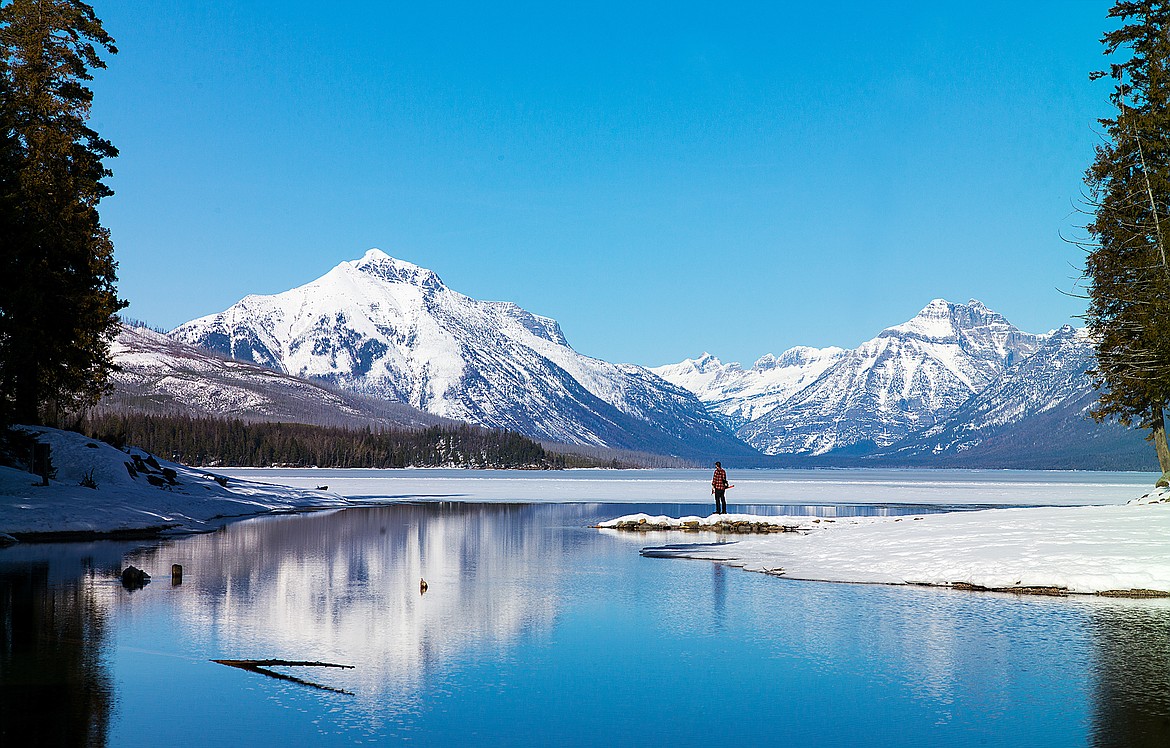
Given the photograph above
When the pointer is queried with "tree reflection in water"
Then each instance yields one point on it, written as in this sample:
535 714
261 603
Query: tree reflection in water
1132 672
54 688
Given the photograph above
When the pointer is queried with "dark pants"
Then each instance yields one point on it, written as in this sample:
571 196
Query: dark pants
720 501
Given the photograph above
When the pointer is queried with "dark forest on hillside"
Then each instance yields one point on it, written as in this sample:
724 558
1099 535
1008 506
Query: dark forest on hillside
209 442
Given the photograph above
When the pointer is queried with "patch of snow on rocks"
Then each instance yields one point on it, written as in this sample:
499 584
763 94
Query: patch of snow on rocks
192 499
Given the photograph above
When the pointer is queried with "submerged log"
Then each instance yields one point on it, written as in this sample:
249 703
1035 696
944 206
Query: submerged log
261 666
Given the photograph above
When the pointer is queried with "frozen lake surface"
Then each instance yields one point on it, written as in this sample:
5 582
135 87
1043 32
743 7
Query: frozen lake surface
536 630
753 488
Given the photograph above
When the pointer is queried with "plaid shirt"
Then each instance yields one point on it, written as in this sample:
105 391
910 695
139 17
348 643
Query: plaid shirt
719 480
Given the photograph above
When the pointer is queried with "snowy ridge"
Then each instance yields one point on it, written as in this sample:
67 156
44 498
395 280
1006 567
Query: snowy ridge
743 395
389 329
1040 404
159 375
1052 377
906 379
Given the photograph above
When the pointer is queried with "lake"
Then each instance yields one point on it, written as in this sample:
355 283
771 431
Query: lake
536 630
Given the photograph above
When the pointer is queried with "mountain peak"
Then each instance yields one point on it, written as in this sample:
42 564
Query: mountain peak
378 264
374 254
942 320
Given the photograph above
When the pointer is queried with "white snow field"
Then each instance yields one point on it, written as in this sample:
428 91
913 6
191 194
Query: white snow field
1081 549
122 502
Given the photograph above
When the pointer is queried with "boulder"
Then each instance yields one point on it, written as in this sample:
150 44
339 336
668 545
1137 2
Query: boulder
134 578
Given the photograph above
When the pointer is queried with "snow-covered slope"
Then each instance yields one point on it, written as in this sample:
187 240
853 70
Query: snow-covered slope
906 379
909 377
1053 377
99 489
1039 407
159 375
743 395
387 328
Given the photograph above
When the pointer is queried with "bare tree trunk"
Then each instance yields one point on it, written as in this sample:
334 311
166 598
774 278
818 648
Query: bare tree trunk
1158 434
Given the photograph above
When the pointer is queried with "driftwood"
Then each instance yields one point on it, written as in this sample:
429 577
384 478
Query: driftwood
261 666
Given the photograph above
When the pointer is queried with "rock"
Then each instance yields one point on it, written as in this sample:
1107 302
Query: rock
134 578
1164 481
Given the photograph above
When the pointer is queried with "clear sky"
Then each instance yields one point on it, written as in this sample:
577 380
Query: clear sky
662 178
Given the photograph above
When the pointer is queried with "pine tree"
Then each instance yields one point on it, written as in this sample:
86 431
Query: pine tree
1127 270
57 299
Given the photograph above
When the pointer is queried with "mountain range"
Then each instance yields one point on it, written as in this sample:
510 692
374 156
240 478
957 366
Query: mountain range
385 328
378 340
956 386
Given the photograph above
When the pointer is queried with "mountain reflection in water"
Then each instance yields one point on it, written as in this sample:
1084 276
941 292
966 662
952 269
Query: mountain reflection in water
536 630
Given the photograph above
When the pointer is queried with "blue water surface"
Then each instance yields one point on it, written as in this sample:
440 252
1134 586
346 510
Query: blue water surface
537 630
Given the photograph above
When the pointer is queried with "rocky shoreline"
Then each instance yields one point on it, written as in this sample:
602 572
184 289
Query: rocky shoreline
729 527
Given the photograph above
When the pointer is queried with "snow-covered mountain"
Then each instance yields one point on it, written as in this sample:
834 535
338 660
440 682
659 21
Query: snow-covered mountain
743 395
163 376
1035 415
389 329
905 380
1054 377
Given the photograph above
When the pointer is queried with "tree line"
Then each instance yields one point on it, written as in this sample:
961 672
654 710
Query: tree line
210 442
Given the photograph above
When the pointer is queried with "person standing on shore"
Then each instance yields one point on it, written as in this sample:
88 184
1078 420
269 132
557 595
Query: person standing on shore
719 487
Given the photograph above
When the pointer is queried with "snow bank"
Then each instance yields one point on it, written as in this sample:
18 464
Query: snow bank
128 499
1086 549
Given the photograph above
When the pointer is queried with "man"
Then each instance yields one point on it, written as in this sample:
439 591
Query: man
719 487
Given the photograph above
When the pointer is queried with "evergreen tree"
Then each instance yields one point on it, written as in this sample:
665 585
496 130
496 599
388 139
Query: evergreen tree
57 298
1127 270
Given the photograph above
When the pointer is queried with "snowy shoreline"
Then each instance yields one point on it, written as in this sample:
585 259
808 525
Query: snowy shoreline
102 492
1097 550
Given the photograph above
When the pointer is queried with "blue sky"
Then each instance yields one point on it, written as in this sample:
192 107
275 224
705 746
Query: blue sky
662 178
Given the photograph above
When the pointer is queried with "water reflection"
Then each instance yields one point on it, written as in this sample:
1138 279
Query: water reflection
344 587
54 688
718 595
536 630
1132 673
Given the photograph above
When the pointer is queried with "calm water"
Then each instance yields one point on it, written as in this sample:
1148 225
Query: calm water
536 630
